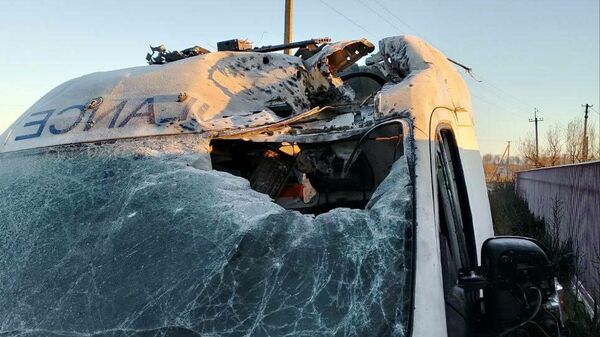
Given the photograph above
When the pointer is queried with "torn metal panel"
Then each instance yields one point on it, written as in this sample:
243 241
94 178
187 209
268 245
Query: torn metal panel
211 93
338 56
326 63
270 128
164 56
223 90
421 80
250 95
392 59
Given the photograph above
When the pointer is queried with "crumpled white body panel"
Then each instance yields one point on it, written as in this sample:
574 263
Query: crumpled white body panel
222 90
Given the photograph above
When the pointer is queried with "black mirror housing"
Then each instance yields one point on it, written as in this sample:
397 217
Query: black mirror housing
516 278
511 260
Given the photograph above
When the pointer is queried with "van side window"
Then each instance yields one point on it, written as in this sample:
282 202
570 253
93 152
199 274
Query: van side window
457 243
454 201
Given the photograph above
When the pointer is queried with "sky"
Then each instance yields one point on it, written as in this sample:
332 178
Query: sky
526 54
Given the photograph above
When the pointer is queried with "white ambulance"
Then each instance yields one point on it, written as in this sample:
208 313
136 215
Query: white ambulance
246 192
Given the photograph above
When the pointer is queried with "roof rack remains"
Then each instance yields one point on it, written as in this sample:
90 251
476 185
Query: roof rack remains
306 48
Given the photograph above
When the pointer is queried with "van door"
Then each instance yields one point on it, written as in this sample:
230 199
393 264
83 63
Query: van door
457 244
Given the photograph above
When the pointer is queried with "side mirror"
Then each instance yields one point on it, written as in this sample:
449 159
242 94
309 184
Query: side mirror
519 290
512 260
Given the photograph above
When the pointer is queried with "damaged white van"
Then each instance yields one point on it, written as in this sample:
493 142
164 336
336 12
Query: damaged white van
250 193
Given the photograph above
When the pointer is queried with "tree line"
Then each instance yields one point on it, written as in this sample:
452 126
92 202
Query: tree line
560 145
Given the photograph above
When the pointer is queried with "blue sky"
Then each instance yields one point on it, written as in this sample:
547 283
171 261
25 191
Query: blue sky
528 54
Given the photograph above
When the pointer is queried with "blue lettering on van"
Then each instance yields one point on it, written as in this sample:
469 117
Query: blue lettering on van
53 130
149 103
91 121
144 109
40 122
186 109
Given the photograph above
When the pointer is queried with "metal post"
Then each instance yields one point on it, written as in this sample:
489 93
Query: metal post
287 28
537 150
508 176
585 137
536 120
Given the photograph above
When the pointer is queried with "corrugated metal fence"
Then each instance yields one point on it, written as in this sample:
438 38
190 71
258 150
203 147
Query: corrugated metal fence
575 189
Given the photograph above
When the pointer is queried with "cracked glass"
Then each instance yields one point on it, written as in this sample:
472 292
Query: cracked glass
130 239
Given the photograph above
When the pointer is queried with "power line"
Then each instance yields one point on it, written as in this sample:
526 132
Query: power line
504 108
379 15
503 99
396 17
479 98
507 94
391 13
347 18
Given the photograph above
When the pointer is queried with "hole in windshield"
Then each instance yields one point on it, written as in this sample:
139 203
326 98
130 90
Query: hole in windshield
313 177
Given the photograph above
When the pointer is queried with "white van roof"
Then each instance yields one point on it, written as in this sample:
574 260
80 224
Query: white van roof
231 93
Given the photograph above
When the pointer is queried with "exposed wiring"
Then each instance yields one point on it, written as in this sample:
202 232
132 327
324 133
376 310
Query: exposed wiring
362 139
540 328
555 321
535 312
261 38
467 69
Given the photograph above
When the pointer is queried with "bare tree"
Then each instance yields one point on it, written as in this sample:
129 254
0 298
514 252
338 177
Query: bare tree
574 141
487 158
527 149
553 148
559 146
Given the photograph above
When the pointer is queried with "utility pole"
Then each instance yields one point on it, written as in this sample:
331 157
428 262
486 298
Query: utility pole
287 28
536 120
497 175
585 137
508 161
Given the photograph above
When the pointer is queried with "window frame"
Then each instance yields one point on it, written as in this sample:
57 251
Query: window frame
445 144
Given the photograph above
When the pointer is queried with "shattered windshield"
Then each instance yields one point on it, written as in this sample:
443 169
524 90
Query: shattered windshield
140 238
